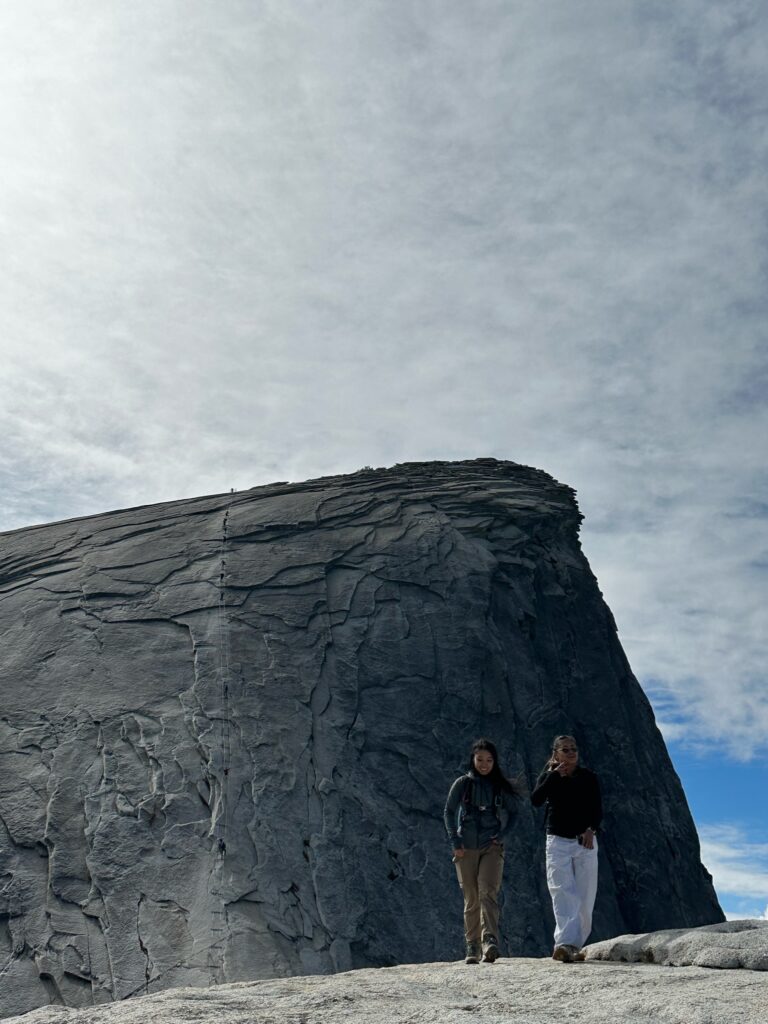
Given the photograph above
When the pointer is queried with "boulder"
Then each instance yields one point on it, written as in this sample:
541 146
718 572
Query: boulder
727 945
229 724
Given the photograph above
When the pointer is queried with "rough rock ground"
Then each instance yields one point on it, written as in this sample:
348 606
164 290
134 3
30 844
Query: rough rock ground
730 944
520 991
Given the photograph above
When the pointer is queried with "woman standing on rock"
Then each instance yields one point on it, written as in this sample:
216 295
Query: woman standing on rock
574 812
478 815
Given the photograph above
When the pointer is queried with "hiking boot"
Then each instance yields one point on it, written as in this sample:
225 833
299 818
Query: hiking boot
579 956
473 953
564 954
492 952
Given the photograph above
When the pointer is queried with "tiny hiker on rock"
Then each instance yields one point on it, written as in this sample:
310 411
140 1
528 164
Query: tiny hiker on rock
478 816
574 813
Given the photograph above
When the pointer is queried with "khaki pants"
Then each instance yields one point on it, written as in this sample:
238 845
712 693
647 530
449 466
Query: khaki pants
479 873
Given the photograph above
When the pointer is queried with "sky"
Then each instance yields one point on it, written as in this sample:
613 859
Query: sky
267 240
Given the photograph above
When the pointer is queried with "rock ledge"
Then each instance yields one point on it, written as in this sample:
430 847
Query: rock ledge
731 944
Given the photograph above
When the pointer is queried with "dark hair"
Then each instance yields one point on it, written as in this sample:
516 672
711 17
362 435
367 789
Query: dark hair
557 742
497 777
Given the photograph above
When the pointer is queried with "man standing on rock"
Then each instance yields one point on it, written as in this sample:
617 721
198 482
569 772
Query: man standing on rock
574 812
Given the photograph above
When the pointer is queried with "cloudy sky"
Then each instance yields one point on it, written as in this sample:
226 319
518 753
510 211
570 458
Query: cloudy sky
276 239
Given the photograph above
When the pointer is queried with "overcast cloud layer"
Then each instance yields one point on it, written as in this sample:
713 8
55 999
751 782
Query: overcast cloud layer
249 241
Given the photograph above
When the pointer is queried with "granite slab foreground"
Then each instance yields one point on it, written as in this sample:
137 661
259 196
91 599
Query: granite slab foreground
521 990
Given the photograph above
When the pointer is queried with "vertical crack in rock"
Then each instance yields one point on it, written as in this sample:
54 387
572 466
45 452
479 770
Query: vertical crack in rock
142 947
229 725
221 829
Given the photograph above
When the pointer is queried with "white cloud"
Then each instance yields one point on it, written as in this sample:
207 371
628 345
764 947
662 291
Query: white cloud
738 863
756 916
257 243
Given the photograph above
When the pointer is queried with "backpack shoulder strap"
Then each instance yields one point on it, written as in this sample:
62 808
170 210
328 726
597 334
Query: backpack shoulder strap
469 791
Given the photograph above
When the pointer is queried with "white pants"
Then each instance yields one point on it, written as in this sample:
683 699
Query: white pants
572 882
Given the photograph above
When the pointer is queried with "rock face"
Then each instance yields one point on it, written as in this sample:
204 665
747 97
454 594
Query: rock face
229 725
522 991
728 945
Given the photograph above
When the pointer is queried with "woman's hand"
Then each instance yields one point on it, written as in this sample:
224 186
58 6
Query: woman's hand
459 853
588 839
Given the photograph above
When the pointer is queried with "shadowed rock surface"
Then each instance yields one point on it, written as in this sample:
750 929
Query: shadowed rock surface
229 724
728 945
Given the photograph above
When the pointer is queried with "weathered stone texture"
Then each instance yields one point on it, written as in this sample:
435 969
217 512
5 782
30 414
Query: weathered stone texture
520 991
229 725
728 945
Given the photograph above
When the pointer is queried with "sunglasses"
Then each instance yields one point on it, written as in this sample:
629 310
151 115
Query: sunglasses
568 750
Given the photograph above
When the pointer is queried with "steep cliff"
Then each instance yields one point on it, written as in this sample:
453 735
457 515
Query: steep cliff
229 724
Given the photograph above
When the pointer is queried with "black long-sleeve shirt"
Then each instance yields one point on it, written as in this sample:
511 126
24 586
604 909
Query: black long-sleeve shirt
573 802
